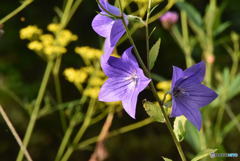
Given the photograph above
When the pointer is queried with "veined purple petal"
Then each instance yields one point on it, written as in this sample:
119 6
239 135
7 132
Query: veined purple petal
117 32
128 57
198 95
126 80
197 72
102 25
130 103
110 8
192 114
177 74
175 110
115 89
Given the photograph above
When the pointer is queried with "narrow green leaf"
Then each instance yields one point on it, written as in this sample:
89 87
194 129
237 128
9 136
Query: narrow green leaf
166 159
154 53
192 12
221 28
203 154
179 127
153 111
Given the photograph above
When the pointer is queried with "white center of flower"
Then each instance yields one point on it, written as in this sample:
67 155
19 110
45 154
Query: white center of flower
133 78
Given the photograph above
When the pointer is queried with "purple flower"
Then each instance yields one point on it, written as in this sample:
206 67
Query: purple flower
126 80
169 19
189 94
109 27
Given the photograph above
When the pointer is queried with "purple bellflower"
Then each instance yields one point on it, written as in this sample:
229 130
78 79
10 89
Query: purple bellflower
109 27
188 94
125 81
168 19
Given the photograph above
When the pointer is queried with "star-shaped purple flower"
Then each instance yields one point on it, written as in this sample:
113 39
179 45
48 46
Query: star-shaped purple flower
126 80
109 27
189 94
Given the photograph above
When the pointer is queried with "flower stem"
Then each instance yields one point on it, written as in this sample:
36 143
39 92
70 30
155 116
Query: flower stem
59 91
178 145
36 108
113 133
81 131
16 11
15 134
147 33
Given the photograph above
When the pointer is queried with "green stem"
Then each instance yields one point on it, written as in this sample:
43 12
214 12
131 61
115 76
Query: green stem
65 139
16 11
73 9
113 133
185 37
147 33
81 131
179 148
69 131
36 108
66 12
59 91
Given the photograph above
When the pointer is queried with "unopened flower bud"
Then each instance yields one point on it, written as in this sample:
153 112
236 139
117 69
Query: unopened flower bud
169 19
210 59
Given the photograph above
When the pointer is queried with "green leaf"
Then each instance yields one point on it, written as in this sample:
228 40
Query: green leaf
154 53
203 154
179 127
166 159
153 111
221 28
192 12
192 136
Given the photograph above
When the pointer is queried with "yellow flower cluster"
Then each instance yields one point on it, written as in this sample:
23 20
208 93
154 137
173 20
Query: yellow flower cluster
30 32
51 45
88 53
94 78
163 88
75 75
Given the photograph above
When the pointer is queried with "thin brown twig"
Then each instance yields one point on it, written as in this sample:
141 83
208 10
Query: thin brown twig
100 153
15 134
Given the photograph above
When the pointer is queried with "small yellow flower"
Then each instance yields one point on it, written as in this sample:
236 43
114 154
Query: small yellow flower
88 69
35 45
88 53
64 37
29 32
96 81
164 85
52 49
47 39
161 96
75 75
53 27
92 92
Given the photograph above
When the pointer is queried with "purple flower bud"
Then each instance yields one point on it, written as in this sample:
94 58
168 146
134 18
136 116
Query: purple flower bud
169 19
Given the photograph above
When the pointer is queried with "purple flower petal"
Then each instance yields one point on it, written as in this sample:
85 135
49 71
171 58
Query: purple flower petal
192 114
177 74
110 8
128 57
197 72
189 94
117 32
130 103
126 80
198 95
114 89
175 110
102 25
